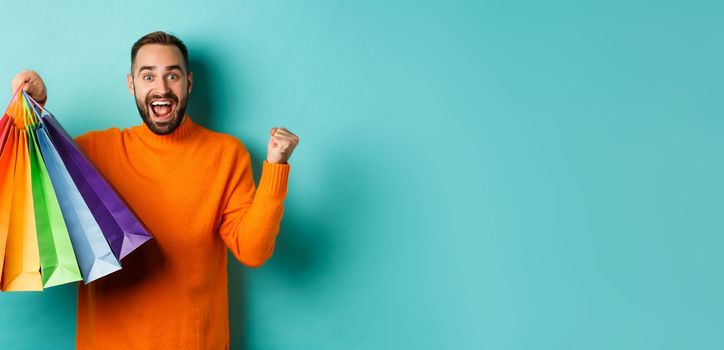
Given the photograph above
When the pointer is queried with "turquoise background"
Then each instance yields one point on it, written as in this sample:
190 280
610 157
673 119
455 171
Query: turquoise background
471 174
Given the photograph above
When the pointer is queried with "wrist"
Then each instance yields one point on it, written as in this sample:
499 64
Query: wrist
275 161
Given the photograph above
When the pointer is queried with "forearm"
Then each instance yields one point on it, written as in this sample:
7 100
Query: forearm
252 240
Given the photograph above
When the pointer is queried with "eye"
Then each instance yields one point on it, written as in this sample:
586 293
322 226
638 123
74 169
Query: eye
148 77
172 76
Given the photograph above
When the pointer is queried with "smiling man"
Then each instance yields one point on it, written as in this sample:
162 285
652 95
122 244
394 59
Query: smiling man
193 189
160 90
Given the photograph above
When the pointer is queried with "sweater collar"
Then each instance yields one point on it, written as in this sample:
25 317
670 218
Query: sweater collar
182 132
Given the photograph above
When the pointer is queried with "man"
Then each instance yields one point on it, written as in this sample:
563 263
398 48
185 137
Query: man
194 191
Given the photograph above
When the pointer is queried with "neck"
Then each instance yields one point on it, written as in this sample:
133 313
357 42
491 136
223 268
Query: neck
181 133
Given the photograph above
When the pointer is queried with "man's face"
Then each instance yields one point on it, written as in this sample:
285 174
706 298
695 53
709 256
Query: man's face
161 83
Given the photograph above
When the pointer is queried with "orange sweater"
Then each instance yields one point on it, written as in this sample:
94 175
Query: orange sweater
194 191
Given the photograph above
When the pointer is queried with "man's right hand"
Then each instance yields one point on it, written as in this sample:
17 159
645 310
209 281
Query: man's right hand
33 85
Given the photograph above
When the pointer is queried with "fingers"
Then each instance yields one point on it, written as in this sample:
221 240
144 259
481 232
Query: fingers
284 133
283 137
26 77
281 145
33 85
20 78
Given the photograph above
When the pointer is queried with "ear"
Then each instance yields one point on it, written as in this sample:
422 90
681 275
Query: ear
191 81
130 84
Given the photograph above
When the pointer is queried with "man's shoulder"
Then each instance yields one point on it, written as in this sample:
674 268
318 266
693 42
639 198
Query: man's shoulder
89 138
222 140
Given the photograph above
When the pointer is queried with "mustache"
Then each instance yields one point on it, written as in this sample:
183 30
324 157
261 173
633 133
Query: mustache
169 95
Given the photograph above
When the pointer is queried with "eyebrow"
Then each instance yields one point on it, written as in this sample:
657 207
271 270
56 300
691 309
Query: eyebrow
152 68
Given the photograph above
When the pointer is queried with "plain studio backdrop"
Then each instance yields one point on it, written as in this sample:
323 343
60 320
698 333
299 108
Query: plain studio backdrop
471 174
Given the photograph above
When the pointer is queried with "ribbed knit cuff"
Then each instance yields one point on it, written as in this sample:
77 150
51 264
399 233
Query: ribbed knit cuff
274 178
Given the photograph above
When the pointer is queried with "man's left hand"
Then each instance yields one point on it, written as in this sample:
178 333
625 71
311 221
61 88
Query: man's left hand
281 145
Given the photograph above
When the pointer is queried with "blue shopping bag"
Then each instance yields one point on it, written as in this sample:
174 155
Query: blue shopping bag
94 254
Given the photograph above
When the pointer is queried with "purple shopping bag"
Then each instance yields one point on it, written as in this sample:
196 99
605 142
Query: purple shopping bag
122 229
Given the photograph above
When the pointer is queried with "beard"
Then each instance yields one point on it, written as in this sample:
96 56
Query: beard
166 127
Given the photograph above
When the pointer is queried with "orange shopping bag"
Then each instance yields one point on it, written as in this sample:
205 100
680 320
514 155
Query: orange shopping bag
21 270
4 130
7 172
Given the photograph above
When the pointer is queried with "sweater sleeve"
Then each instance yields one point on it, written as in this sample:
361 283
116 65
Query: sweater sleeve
251 216
84 141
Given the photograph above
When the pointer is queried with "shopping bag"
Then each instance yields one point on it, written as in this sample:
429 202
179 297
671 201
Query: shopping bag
4 130
122 229
7 174
21 270
94 255
6 121
58 264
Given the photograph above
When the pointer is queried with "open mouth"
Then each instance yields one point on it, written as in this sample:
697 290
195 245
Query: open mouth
162 109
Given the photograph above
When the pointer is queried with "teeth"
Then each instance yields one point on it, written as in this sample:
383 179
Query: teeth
160 103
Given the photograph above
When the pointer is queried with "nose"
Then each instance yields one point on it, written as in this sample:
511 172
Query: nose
162 87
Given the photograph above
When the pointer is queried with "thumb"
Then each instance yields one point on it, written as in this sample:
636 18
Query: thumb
273 131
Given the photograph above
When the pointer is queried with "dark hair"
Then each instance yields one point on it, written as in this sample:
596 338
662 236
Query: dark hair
162 38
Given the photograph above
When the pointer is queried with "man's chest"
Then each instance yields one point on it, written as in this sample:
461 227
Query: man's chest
170 195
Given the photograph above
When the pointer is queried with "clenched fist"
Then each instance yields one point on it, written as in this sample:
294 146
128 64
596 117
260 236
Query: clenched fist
34 85
281 145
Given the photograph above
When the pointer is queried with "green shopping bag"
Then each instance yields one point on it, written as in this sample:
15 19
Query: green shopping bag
58 264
